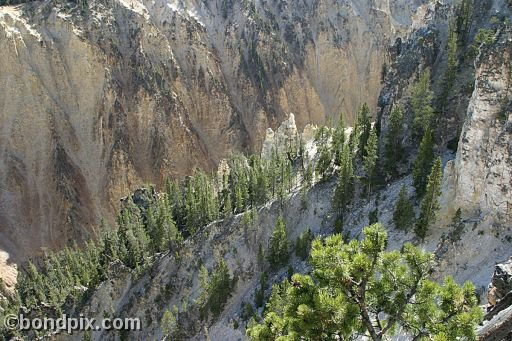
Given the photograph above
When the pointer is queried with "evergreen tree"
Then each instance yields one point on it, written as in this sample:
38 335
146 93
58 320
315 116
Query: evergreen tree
451 67
169 322
464 20
393 148
169 235
261 256
423 163
338 141
403 215
421 103
357 289
324 163
430 203
344 191
457 226
303 244
370 158
364 128
175 200
216 288
278 245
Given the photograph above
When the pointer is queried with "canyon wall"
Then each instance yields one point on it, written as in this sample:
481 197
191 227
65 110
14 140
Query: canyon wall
98 99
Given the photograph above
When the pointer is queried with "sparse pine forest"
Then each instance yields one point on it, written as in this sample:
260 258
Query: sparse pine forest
354 287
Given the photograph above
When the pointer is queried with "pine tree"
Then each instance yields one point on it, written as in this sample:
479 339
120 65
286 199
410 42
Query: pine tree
451 67
421 103
464 20
370 158
423 163
338 141
303 244
175 197
324 164
364 124
278 245
171 236
345 185
155 234
457 226
261 256
247 224
403 215
393 148
378 293
430 203
216 287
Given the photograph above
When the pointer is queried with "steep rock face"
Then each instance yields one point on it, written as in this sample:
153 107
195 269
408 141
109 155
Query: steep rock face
97 100
479 180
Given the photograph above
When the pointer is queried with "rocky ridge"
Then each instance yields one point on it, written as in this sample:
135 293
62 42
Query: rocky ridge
98 99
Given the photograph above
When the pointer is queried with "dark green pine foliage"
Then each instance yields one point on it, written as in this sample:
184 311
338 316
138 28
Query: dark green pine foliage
457 226
217 288
344 191
421 104
278 252
364 128
323 167
403 215
393 150
464 20
370 158
201 205
338 141
451 67
303 244
258 191
357 289
324 164
423 162
133 239
430 202
176 201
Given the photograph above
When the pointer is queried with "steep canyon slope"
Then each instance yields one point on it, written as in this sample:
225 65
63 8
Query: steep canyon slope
97 99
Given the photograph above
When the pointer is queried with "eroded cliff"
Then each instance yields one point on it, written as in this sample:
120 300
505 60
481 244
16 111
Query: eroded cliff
100 98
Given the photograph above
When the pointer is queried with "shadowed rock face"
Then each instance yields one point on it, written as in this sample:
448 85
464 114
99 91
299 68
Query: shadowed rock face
96 101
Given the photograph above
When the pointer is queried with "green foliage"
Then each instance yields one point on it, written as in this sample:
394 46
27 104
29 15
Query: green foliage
421 104
393 151
403 215
457 226
423 162
484 37
344 191
430 203
373 216
169 322
364 127
370 158
278 252
303 244
261 256
464 14
217 288
259 296
354 285
451 67
338 141
324 164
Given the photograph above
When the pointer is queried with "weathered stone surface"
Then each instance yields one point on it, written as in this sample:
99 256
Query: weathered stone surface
501 283
95 104
479 180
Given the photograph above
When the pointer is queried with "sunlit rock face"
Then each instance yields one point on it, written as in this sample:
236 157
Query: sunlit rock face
479 180
98 100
